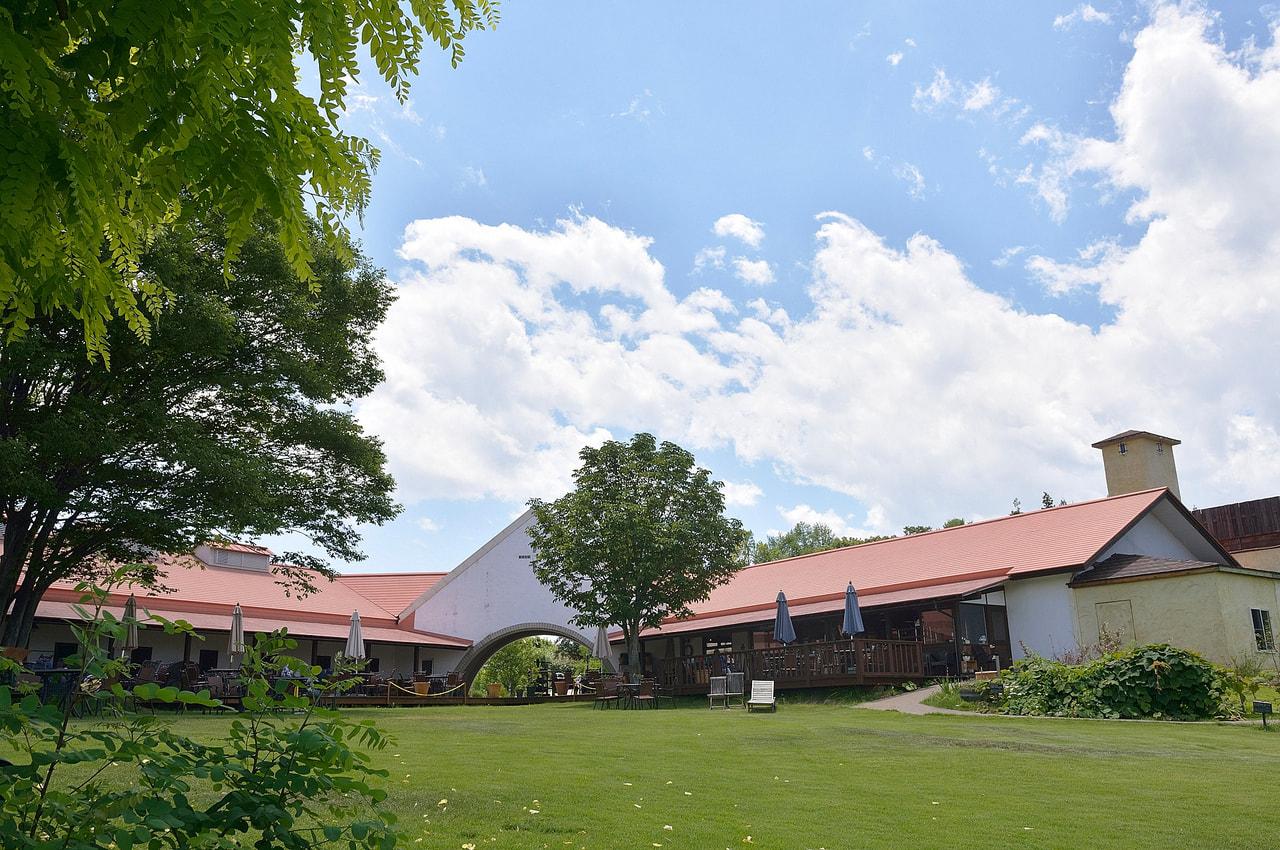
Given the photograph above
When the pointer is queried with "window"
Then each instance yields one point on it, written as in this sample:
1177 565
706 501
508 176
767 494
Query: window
1262 634
1123 448
1159 448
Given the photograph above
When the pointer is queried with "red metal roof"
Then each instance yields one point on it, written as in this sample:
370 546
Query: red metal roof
204 595
391 591
922 566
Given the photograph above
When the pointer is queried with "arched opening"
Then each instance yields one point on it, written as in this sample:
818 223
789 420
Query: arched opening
480 652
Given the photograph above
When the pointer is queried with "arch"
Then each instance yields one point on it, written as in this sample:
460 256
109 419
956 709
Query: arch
475 657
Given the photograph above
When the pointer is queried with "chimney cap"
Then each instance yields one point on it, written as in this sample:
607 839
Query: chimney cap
1130 435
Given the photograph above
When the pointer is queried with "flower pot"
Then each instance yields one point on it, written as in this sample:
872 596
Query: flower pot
562 688
495 691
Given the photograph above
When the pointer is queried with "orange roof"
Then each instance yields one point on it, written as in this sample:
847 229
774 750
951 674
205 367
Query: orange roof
204 595
391 591
948 562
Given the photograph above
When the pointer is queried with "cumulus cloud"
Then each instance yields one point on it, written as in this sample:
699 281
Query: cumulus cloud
428 524
905 385
894 58
739 227
756 272
744 493
839 525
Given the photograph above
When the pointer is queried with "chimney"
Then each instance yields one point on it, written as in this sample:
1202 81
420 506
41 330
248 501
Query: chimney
1139 460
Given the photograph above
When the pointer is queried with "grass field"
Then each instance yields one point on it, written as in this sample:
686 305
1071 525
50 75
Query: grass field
813 775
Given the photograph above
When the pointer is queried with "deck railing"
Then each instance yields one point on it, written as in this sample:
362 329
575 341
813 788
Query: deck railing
856 661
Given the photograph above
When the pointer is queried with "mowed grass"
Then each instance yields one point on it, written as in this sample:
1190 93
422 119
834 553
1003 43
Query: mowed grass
812 775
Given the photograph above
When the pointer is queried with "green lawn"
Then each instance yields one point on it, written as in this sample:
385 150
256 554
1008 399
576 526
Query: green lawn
818 776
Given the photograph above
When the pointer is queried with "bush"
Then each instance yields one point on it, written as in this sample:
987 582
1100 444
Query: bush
1154 681
288 775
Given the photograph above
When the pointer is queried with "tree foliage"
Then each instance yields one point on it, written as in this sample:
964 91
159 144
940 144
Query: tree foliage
641 537
287 774
230 422
803 539
119 117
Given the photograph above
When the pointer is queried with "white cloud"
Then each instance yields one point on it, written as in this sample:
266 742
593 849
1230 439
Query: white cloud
712 257
473 176
1007 255
1084 12
906 385
869 153
894 58
640 108
739 227
428 524
911 175
980 95
803 513
744 493
756 272
940 91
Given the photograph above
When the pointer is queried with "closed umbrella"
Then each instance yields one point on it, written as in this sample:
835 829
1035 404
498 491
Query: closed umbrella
783 631
235 646
601 649
852 613
130 625
355 640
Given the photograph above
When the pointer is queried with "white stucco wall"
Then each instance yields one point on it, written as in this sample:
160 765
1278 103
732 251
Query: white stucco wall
492 590
1039 611
1151 537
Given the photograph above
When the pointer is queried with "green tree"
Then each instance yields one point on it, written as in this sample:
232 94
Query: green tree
120 117
641 537
231 422
954 523
916 529
512 666
803 539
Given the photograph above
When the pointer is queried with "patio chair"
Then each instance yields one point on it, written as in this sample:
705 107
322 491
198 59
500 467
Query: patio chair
719 691
733 689
644 696
762 695
606 694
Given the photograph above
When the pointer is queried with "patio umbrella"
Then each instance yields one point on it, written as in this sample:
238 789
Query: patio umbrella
235 646
130 620
355 640
783 631
601 649
852 613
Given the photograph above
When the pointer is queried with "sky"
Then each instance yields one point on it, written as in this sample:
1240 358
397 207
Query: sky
874 264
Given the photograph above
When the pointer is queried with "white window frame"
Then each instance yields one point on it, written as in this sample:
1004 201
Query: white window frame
1264 636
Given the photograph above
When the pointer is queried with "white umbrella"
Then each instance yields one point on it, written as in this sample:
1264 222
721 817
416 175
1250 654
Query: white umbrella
236 645
130 620
783 631
601 649
355 640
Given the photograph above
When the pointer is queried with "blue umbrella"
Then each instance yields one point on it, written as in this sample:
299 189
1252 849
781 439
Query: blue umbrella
852 613
783 631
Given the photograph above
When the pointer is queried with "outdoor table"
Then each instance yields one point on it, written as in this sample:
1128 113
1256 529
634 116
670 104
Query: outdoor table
627 694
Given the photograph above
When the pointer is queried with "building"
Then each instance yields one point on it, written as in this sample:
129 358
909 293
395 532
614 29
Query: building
1136 564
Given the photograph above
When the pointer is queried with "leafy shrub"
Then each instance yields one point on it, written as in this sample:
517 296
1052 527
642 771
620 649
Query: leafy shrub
288 775
1154 681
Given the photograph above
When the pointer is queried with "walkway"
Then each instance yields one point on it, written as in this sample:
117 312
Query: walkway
911 702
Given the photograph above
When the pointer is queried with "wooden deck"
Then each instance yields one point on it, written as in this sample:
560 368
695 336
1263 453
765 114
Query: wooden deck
843 663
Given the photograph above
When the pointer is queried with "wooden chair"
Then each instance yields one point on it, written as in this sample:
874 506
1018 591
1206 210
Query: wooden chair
606 694
734 689
719 691
762 695
644 696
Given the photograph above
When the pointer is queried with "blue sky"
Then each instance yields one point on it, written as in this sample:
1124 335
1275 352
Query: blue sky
874 264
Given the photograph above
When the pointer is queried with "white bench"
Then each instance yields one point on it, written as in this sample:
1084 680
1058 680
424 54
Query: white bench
762 695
